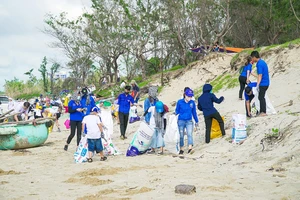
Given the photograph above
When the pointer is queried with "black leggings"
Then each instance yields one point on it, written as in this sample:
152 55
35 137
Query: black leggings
261 98
123 122
243 82
208 121
74 125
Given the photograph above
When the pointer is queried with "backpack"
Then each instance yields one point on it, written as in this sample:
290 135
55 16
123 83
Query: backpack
241 69
166 108
153 91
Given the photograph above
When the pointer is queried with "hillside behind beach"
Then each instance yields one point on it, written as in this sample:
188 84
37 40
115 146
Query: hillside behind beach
219 170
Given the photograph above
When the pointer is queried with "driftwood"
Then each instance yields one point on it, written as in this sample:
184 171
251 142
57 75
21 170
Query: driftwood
185 189
9 116
37 121
6 113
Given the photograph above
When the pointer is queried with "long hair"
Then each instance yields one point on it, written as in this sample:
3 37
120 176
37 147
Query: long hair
248 60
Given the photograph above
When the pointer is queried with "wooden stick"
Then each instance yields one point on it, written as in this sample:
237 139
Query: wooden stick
9 116
29 121
6 113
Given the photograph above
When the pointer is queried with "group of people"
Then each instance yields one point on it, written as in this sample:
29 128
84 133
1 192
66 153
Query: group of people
262 84
81 105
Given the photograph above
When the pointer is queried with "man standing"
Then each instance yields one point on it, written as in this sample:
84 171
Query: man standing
125 100
263 80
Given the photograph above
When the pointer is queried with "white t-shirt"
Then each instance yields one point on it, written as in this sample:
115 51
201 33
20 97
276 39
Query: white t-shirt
152 120
91 122
122 84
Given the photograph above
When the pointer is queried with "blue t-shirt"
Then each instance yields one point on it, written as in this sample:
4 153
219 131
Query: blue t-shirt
262 68
251 85
245 69
75 116
124 102
186 110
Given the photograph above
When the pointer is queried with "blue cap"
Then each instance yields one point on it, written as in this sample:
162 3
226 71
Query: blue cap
189 93
95 109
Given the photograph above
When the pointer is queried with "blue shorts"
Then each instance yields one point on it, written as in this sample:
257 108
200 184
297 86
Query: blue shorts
95 145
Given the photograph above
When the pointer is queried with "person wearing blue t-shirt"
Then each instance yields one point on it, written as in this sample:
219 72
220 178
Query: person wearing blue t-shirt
87 101
125 100
263 80
248 94
186 110
244 77
76 115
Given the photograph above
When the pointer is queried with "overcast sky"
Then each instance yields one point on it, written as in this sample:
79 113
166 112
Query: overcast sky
22 44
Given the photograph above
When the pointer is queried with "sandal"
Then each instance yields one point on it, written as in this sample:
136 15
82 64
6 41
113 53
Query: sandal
191 151
90 160
161 153
103 158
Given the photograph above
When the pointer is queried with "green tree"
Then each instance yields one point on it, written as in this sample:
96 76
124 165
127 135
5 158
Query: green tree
44 73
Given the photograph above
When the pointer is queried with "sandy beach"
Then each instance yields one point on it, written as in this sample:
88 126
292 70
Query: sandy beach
219 170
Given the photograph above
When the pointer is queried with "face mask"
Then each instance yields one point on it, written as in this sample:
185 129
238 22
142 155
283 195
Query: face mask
78 98
126 92
211 91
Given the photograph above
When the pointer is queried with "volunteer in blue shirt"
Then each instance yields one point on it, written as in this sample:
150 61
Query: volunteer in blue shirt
244 77
125 100
206 105
76 115
186 110
87 101
248 97
263 80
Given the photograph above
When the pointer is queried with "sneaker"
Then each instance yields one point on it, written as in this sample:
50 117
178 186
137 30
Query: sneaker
122 137
66 148
161 153
150 152
181 152
191 151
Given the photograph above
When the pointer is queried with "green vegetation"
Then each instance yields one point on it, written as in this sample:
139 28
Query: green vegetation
176 67
27 96
286 45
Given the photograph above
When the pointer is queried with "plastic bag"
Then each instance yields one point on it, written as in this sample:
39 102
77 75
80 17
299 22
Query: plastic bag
238 135
141 140
172 135
67 124
133 117
81 154
215 131
239 121
269 107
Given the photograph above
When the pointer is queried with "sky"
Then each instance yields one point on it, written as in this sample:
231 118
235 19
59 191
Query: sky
22 42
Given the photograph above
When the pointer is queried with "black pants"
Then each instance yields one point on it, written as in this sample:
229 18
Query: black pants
75 125
261 98
250 99
208 121
243 82
123 122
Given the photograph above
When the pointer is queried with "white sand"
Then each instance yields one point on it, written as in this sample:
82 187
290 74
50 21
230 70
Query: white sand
221 170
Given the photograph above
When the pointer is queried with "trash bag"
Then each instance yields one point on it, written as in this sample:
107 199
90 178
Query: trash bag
141 140
269 107
172 135
81 154
133 117
215 131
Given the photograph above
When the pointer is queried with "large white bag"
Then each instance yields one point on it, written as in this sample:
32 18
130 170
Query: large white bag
172 135
108 146
81 154
269 107
239 121
133 117
141 140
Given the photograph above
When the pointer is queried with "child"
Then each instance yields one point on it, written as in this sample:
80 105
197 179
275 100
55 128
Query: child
94 133
157 121
206 105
